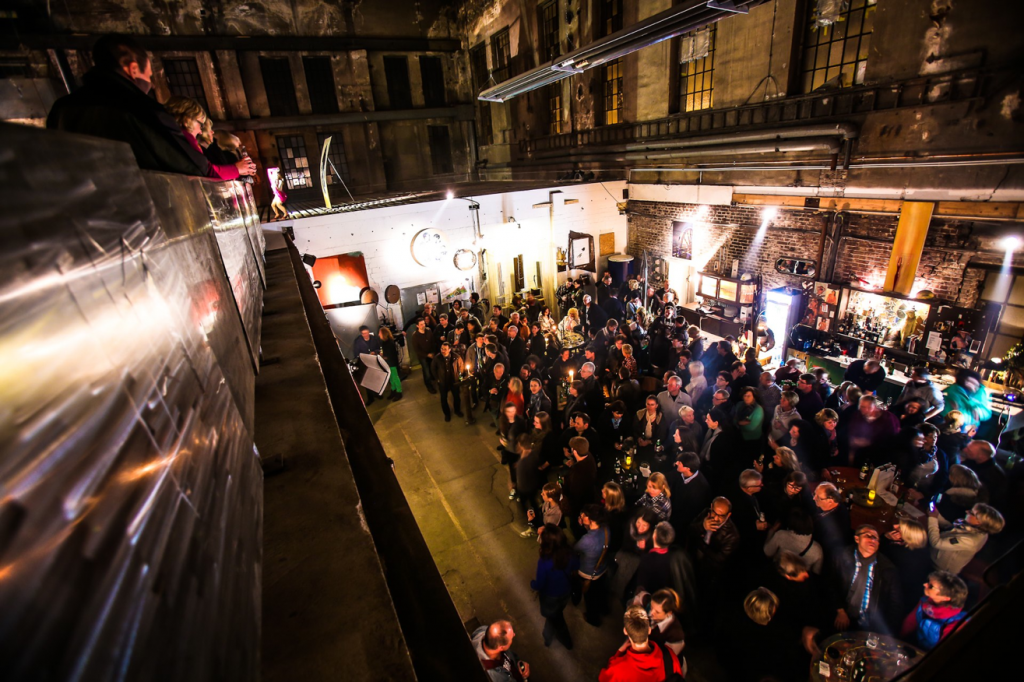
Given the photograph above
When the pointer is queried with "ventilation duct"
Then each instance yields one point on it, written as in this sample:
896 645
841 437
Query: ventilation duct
676 21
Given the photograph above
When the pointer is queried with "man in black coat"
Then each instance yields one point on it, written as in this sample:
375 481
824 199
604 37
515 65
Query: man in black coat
422 342
831 520
866 592
691 491
604 288
446 368
581 480
591 315
612 306
810 399
516 348
114 104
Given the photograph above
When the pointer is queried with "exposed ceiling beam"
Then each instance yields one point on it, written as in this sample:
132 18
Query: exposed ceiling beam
85 41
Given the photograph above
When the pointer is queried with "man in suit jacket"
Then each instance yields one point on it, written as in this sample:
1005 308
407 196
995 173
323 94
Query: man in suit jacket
691 491
612 306
592 316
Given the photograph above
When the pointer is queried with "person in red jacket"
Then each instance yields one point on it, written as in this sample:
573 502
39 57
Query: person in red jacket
939 613
639 659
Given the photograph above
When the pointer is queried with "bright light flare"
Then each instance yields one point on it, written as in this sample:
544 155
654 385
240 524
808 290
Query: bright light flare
450 195
1011 243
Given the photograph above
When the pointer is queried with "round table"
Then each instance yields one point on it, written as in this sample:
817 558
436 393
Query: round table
877 513
889 657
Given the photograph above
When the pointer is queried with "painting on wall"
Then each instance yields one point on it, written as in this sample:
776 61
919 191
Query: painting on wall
682 240
581 252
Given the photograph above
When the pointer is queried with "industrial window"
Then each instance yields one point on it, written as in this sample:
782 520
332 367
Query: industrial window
555 109
396 72
611 16
612 92
550 46
1007 291
337 156
432 76
277 80
183 80
323 96
836 53
501 54
696 76
294 164
440 149
478 59
485 135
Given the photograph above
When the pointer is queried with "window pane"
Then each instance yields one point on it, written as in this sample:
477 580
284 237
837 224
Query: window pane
854 22
277 80
323 97
1012 321
1017 294
997 287
865 43
1001 344
183 80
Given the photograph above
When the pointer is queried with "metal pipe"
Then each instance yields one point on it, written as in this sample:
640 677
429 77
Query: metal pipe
828 144
846 131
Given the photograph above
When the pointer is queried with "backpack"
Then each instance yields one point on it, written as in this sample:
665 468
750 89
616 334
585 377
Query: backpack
670 674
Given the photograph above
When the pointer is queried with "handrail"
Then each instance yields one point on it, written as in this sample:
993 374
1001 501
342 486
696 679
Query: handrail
437 639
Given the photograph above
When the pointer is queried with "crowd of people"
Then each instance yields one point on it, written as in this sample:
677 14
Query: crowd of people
734 528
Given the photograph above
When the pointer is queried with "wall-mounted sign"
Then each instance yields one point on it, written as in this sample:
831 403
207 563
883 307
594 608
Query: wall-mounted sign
465 259
429 247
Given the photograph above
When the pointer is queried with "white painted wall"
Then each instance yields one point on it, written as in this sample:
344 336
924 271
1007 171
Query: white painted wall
384 235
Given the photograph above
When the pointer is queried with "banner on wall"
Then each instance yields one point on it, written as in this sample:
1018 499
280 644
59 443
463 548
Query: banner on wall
682 240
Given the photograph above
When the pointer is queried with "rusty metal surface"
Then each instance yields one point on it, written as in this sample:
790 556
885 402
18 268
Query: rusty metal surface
130 492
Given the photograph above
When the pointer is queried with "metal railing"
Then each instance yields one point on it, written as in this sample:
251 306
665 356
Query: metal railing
956 86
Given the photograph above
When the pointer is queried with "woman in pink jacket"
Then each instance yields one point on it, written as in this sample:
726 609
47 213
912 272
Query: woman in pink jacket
190 116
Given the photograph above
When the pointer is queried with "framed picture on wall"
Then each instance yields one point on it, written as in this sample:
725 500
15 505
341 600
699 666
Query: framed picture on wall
682 240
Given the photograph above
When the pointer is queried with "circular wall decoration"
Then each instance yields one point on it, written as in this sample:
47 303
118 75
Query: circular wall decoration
429 247
465 259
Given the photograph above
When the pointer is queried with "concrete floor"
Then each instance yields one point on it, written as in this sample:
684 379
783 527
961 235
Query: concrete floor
458 491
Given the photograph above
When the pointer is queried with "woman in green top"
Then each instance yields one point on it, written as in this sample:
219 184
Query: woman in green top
970 397
750 418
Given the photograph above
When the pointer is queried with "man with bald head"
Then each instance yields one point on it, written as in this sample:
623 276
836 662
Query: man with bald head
979 457
493 644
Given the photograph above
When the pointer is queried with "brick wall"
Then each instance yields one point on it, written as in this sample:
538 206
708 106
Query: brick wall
948 264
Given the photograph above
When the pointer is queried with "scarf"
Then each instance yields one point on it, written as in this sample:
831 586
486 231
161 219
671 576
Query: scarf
705 451
616 422
535 402
862 587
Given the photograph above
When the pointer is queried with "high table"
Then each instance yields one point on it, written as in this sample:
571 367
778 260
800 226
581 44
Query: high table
885 660
877 513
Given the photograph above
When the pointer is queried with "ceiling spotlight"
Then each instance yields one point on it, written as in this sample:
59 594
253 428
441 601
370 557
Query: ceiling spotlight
451 194
1011 243
769 213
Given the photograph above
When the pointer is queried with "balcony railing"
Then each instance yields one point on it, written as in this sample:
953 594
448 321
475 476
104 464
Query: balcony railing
938 89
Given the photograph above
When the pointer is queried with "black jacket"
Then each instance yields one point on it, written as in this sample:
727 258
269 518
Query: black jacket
593 317
885 609
612 308
688 500
109 105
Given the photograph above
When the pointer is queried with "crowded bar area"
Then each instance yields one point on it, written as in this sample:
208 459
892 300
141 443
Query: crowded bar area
549 340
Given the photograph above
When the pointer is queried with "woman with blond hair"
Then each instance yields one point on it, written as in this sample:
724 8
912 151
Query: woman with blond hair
629 363
906 546
656 498
961 495
569 323
516 397
189 114
953 549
